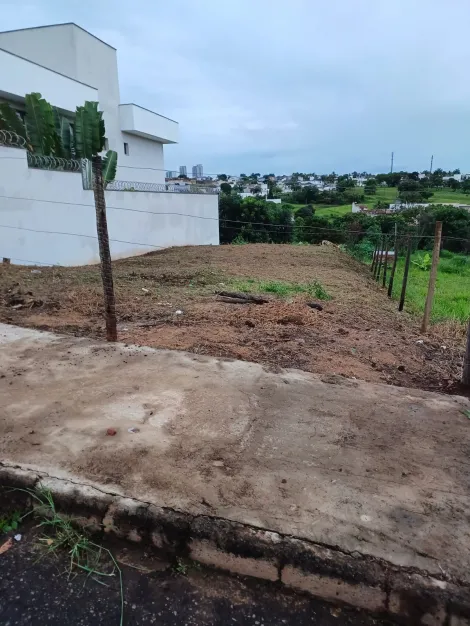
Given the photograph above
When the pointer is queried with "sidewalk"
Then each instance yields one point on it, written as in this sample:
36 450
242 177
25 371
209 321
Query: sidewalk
371 469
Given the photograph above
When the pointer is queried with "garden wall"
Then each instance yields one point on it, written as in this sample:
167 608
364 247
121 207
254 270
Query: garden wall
47 217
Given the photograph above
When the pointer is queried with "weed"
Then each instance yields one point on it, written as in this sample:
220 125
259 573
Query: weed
281 288
11 522
317 290
239 241
181 567
63 534
424 263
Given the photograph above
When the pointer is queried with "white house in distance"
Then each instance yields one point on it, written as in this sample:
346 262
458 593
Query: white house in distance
68 66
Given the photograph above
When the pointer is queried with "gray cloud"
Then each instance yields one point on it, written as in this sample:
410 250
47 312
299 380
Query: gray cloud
309 85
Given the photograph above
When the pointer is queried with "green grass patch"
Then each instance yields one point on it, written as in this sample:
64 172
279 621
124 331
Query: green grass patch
451 299
281 288
440 196
10 522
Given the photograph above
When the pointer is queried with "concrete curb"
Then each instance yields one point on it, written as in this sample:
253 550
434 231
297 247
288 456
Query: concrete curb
358 580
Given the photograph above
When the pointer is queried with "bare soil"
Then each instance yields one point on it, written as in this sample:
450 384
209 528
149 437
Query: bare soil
359 333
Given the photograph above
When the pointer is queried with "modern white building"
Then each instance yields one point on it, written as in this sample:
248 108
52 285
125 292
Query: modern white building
68 66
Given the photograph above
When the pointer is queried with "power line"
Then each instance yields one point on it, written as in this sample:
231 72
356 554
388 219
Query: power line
311 230
54 232
201 217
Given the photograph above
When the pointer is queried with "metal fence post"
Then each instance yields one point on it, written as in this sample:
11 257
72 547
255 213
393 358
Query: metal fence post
105 255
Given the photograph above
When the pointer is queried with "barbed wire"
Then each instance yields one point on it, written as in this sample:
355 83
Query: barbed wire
40 161
11 139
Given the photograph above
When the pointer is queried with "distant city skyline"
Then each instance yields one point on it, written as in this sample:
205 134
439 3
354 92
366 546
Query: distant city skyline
183 170
198 171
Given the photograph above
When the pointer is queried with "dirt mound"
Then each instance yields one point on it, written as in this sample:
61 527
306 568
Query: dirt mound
359 333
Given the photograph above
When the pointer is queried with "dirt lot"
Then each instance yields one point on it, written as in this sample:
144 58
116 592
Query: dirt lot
359 332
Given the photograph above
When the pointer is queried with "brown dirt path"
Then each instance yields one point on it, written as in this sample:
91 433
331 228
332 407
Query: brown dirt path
358 334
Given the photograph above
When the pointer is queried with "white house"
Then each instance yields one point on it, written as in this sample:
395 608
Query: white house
68 66
47 211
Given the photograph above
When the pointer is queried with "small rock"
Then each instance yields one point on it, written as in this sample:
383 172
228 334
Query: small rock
179 312
218 463
111 432
133 429
420 341
250 323
17 537
31 432
36 272
283 481
145 290
343 331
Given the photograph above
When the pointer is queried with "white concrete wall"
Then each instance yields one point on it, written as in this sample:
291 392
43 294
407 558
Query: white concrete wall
143 153
41 200
52 47
19 77
140 121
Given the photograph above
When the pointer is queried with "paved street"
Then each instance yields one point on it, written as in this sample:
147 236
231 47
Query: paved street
37 592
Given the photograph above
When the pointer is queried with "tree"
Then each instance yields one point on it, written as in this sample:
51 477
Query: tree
465 185
305 211
411 191
370 187
221 176
453 184
49 134
344 182
225 188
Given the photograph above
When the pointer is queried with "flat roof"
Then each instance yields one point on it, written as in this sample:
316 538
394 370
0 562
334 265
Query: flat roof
17 30
126 104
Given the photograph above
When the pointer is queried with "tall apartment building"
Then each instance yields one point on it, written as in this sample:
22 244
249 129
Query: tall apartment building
183 170
198 171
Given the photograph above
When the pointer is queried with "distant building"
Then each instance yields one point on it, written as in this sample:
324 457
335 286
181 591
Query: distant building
171 174
183 170
198 171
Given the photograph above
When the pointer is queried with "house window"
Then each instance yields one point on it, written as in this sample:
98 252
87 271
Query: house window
126 148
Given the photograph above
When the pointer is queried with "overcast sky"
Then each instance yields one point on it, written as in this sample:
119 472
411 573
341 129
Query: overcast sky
285 85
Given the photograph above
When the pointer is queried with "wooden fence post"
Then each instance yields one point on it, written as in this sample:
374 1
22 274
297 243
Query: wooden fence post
432 277
394 267
405 274
381 256
374 257
385 262
466 360
105 254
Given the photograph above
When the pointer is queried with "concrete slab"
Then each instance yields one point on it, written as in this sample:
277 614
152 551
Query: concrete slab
374 469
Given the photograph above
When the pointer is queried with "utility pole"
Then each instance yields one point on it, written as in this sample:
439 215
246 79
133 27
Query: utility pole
391 165
105 254
430 169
